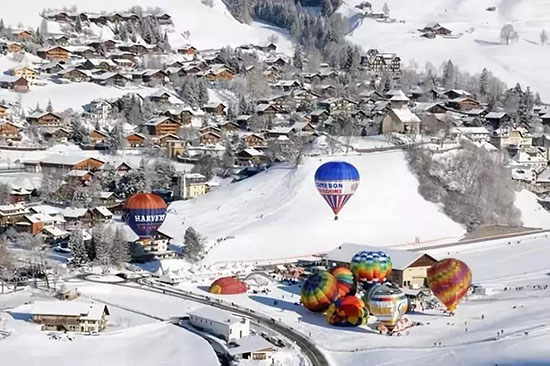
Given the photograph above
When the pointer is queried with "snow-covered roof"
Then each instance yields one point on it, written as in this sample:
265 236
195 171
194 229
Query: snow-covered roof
470 130
405 115
78 173
253 152
104 211
64 159
495 115
69 308
400 259
9 78
250 344
399 96
74 212
55 231
215 315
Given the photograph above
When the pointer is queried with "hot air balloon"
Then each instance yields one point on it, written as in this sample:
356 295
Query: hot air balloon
387 303
449 280
371 267
347 311
346 281
227 286
336 181
144 213
319 291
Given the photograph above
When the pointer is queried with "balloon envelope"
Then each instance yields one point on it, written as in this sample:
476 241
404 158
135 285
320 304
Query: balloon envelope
336 181
144 213
449 280
319 291
227 286
371 266
347 284
387 303
347 311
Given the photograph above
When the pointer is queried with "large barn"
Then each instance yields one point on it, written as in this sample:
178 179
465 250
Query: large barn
408 268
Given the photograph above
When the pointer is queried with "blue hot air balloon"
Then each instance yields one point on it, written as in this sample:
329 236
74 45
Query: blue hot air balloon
144 213
336 181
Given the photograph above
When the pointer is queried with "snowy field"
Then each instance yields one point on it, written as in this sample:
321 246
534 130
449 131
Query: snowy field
280 214
466 339
476 48
129 339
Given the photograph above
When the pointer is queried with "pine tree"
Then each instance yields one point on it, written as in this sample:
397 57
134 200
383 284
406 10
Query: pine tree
543 37
484 83
386 10
116 138
202 92
78 248
448 75
102 240
326 8
49 108
194 245
537 99
120 250
78 25
298 60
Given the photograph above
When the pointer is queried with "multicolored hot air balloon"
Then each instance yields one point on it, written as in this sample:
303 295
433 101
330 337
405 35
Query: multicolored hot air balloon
387 303
347 311
371 267
144 213
227 286
449 280
319 291
347 284
336 181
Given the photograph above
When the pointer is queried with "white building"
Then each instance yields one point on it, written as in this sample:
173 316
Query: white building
220 323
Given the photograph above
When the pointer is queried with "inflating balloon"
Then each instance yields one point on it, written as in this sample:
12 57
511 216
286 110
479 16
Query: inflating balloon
387 303
227 286
371 267
449 280
144 213
347 311
347 284
319 291
336 181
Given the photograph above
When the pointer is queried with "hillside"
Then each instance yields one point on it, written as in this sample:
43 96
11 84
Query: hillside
279 213
208 27
476 48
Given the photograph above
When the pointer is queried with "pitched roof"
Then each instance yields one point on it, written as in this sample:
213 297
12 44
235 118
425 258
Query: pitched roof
401 259
250 344
104 211
215 315
69 308
405 115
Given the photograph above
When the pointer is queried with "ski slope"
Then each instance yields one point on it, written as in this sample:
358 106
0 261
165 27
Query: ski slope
208 27
476 48
280 214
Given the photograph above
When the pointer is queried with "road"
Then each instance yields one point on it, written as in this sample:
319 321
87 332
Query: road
308 348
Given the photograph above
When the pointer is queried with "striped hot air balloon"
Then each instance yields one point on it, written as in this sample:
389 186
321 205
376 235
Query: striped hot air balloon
347 284
319 291
387 303
449 280
144 213
336 181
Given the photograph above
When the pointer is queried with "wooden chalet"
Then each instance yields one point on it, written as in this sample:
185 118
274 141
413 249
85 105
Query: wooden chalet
135 140
9 130
254 140
210 138
53 53
162 126
98 137
16 83
45 119
215 108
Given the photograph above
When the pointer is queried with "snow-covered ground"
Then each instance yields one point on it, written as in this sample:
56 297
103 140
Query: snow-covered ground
208 27
477 47
280 214
130 339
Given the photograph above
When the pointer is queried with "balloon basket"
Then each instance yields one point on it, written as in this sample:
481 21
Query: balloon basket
336 218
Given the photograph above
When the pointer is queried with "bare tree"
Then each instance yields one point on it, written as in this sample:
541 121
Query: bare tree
7 265
508 34
386 10
4 193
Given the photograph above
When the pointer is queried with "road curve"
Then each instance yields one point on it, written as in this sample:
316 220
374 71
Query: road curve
309 349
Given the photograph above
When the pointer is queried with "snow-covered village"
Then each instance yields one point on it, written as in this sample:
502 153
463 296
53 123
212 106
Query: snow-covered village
274 182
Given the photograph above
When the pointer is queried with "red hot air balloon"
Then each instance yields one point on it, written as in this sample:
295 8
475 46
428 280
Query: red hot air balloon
227 286
145 213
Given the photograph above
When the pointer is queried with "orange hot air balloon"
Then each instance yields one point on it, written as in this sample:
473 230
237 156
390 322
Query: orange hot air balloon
449 280
347 284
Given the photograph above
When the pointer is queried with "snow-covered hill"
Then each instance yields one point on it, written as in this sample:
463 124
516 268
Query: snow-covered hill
209 27
279 213
477 47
